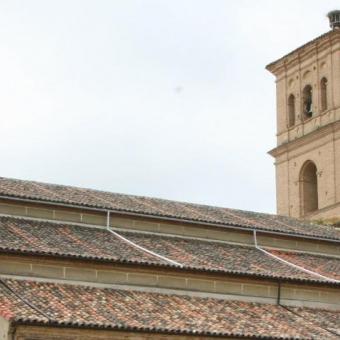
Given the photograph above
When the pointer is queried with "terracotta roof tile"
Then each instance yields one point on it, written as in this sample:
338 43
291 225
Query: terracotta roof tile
83 306
162 208
47 238
21 235
326 319
328 266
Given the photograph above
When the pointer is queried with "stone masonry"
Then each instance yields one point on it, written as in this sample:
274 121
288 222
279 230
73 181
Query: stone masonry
308 137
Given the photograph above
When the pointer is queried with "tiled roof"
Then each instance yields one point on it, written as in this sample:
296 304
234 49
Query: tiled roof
162 208
19 235
327 319
43 303
329 268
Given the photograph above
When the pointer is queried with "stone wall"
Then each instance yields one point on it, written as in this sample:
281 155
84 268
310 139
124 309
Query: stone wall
201 231
323 149
53 333
168 281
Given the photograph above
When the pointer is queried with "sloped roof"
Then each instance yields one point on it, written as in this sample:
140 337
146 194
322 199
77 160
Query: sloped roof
24 236
327 266
146 206
105 308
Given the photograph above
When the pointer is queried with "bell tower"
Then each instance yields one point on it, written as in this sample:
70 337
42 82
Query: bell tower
307 155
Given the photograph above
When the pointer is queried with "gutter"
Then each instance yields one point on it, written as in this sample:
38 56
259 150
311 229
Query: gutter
173 219
150 330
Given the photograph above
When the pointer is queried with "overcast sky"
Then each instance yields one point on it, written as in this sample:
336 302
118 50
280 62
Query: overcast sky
164 98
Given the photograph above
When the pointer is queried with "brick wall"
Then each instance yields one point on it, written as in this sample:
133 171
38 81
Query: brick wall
50 333
315 139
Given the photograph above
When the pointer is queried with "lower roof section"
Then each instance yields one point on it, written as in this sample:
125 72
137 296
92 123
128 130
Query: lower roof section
64 305
29 237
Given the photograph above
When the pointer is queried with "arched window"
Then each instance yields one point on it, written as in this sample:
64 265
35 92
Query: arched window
291 110
307 102
308 188
323 89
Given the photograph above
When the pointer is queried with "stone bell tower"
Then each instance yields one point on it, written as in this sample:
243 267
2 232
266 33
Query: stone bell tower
307 156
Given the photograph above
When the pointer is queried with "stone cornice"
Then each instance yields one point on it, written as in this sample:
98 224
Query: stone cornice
303 52
304 140
315 214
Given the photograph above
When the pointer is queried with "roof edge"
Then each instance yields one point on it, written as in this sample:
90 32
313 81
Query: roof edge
272 66
125 328
231 273
229 225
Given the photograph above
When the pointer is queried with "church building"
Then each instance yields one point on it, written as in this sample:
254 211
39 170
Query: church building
83 264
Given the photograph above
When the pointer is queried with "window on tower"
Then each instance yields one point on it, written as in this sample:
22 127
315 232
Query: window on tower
323 87
307 102
308 188
291 110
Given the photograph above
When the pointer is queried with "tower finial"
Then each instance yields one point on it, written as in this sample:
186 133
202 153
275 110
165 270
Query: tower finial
334 19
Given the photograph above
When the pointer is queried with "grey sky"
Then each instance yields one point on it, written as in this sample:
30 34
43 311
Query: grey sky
164 98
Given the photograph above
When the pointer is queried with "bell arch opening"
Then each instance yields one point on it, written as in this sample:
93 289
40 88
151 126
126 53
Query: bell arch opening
291 110
323 87
309 188
307 102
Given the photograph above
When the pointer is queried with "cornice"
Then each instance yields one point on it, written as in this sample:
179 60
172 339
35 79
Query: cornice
315 214
303 52
304 140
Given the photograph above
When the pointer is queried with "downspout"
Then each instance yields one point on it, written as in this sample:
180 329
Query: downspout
131 243
108 219
278 301
295 266
12 331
